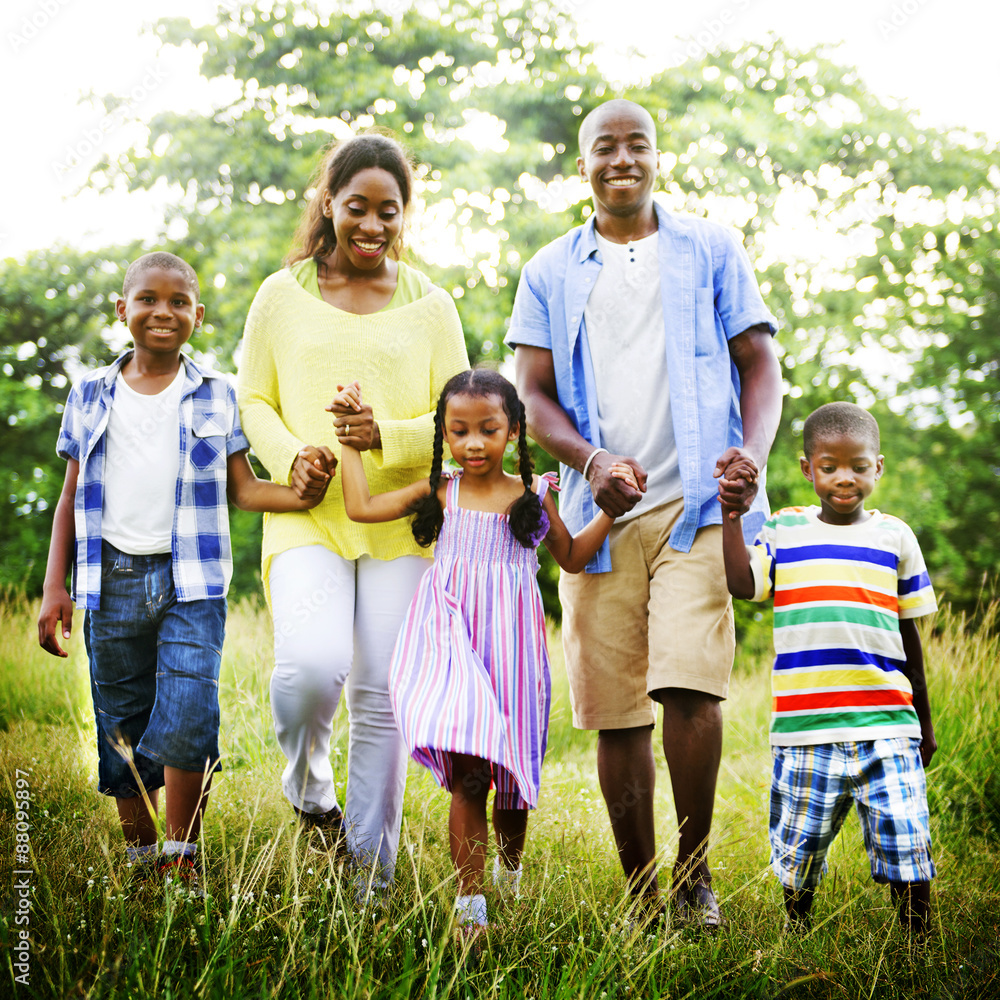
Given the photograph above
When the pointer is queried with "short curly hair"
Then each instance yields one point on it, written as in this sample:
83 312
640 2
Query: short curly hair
847 419
166 261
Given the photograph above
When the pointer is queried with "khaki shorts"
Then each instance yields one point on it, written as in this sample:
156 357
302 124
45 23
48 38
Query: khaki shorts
660 619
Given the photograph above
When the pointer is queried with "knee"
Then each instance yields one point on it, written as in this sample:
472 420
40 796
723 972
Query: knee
471 780
309 674
686 706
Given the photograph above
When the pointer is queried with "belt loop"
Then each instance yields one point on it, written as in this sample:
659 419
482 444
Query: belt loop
123 562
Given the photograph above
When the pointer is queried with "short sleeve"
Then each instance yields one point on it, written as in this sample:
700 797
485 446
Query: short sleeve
237 440
529 320
916 595
737 295
68 442
761 555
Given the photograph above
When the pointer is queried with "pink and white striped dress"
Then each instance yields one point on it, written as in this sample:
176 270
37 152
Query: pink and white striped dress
470 671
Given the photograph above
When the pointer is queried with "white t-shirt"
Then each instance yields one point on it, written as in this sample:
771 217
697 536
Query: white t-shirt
140 468
624 317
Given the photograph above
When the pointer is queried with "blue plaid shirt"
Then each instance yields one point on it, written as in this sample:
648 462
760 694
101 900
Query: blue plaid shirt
710 295
209 433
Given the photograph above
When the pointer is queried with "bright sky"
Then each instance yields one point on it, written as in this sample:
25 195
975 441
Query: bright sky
939 56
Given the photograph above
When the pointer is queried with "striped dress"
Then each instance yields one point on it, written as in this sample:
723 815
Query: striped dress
470 671
839 594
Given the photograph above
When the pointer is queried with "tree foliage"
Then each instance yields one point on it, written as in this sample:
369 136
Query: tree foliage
874 238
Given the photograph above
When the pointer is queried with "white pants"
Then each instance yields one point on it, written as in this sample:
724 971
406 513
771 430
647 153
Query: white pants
335 623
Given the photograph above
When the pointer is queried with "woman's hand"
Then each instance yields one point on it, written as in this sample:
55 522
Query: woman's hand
312 471
355 423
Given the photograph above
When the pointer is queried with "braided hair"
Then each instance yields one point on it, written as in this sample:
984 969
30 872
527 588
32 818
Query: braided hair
525 513
428 512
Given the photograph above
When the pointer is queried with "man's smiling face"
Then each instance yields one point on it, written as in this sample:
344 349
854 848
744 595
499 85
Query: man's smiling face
618 157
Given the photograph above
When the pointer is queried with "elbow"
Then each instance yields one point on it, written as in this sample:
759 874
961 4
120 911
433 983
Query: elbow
574 564
357 514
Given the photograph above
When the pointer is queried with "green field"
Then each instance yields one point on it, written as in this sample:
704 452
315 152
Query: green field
281 921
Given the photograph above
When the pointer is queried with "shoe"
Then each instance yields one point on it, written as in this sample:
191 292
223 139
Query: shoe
506 881
328 827
646 912
180 871
142 873
695 905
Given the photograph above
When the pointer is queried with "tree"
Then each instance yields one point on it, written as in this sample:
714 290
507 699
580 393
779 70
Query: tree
489 98
56 309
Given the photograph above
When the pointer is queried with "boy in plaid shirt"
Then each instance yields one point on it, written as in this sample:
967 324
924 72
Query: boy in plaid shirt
850 717
153 447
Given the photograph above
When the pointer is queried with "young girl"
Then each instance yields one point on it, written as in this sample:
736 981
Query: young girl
469 680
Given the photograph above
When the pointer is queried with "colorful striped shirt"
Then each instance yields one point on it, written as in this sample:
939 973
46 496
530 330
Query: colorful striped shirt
839 593
209 433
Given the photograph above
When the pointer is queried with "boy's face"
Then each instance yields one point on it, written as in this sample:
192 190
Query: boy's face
843 470
620 162
161 312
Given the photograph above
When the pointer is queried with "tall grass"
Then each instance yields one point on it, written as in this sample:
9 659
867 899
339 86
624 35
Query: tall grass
281 920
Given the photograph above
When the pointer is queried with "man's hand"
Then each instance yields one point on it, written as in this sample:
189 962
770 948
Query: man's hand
737 474
612 493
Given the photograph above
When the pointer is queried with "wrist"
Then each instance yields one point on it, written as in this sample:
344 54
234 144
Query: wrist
588 465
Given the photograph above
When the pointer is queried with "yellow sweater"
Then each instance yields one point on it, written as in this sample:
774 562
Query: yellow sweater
296 350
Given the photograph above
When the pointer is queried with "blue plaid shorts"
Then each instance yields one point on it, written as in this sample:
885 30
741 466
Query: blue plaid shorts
812 788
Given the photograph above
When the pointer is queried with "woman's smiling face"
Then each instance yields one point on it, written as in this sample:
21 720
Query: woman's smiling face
367 217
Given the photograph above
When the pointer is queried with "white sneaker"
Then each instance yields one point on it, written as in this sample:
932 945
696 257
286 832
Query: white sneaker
507 882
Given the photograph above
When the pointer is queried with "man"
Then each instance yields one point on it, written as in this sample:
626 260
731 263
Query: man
641 337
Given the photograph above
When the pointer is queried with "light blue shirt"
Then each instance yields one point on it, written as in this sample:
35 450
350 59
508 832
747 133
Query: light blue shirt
710 295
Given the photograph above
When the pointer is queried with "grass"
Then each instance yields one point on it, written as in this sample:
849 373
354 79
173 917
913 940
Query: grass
281 920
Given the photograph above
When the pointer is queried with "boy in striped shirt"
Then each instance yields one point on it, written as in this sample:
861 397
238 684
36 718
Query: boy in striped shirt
850 716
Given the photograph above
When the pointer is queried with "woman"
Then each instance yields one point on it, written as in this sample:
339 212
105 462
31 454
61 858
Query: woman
345 308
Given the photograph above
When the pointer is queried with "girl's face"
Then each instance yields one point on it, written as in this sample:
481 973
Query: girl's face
477 431
367 217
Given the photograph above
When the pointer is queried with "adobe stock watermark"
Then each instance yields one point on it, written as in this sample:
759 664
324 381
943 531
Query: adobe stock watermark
707 37
21 889
92 139
898 15
34 23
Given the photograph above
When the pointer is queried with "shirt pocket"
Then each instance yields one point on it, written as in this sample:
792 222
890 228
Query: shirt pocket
710 338
209 428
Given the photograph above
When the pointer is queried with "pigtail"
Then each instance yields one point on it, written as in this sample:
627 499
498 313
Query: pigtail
428 512
526 518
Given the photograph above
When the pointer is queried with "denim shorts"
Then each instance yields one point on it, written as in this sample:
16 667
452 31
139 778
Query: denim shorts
812 788
154 674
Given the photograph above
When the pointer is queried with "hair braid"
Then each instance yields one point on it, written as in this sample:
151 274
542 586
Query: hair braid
428 510
526 512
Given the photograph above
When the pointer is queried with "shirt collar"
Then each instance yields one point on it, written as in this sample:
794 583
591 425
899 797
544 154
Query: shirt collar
666 223
194 374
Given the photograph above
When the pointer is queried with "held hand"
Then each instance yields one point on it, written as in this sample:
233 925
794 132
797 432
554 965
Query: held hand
613 494
737 474
355 423
56 607
347 400
624 472
312 471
